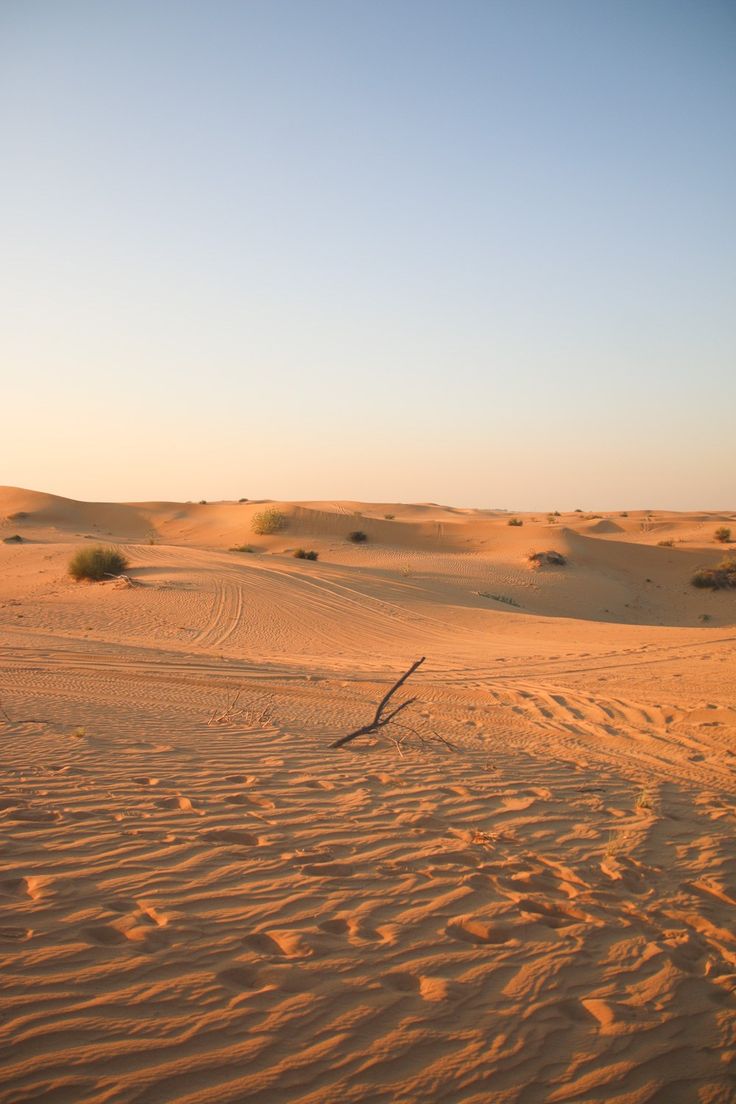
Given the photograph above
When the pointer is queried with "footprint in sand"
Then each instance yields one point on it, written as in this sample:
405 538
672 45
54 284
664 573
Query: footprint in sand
285 943
34 886
552 915
432 989
34 815
104 935
178 802
328 870
240 977
144 925
15 934
231 835
471 930
334 927
355 929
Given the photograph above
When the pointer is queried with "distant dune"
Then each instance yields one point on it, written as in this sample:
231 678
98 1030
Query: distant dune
526 893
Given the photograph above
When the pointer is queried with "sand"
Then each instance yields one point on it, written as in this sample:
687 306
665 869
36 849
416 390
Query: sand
201 902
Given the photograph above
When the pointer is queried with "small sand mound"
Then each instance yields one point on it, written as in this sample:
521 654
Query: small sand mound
605 526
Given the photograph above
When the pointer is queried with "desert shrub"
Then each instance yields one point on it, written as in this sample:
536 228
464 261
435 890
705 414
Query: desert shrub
624 514
550 557
243 548
514 521
389 517
303 554
357 536
97 563
15 539
242 500
507 601
203 502
19 515
720 577
268 521
722 534
666 543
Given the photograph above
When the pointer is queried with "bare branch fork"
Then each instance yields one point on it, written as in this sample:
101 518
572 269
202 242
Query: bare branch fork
21 720
123 579
379 720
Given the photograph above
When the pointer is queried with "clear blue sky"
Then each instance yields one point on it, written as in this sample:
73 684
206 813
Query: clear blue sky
478 253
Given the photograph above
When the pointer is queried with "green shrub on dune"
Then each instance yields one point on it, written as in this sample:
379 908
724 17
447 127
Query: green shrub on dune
97 563
268 521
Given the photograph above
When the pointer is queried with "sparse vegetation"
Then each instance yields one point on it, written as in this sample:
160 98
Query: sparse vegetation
644 799
720 577
498 598
242 500
243 548
19 515
357 536
537 559
624 514
552 519
203 502
723 534
15 539
97 563
389 517
514 521
268 521
303 554
669 543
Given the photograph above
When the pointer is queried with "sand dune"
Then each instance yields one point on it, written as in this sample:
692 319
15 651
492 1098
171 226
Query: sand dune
201 902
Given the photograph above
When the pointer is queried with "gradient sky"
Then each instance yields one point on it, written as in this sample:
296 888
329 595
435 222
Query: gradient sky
481 253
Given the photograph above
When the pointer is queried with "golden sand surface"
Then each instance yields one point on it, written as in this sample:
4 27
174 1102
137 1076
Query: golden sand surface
201 901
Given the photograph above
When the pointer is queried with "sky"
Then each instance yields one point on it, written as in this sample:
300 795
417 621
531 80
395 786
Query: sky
478 253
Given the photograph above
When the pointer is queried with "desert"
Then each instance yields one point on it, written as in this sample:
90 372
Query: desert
367 552
521 890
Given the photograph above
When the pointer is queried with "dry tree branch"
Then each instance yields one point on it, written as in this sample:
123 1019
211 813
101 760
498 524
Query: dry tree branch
253 718
379 721
126 579
21 720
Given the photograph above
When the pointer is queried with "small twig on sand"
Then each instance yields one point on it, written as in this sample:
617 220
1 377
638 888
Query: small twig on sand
20 720
379 721
252 718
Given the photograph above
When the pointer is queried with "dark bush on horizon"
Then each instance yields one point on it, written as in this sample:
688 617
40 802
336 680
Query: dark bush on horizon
720 577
